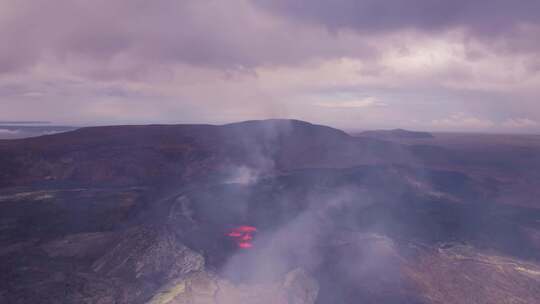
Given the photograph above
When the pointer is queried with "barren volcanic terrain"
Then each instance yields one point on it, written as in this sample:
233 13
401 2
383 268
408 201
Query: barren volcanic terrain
274 211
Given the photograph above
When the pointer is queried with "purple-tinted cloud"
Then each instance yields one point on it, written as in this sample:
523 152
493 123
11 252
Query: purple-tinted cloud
431 63
507 26
220 34
127 37
484 16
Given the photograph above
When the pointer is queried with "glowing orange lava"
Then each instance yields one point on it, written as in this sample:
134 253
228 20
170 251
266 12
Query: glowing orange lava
243 236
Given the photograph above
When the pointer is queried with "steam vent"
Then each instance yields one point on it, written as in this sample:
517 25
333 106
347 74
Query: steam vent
268 212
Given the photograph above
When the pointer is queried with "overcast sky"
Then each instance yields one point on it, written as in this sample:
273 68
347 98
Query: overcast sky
460 65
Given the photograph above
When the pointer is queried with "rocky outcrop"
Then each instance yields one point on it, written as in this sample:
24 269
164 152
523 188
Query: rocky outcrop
297 287
149 254
458 273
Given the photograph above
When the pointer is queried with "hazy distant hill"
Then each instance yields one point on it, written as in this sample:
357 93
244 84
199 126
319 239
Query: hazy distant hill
135 154
396 133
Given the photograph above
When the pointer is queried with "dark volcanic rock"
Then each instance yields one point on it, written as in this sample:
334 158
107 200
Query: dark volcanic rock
146 254
296 287
127 155
140 214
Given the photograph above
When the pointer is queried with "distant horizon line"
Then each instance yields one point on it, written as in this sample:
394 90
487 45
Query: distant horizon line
24 122
37 123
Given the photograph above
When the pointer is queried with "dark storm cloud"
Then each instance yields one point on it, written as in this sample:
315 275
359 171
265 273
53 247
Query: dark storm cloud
484 16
